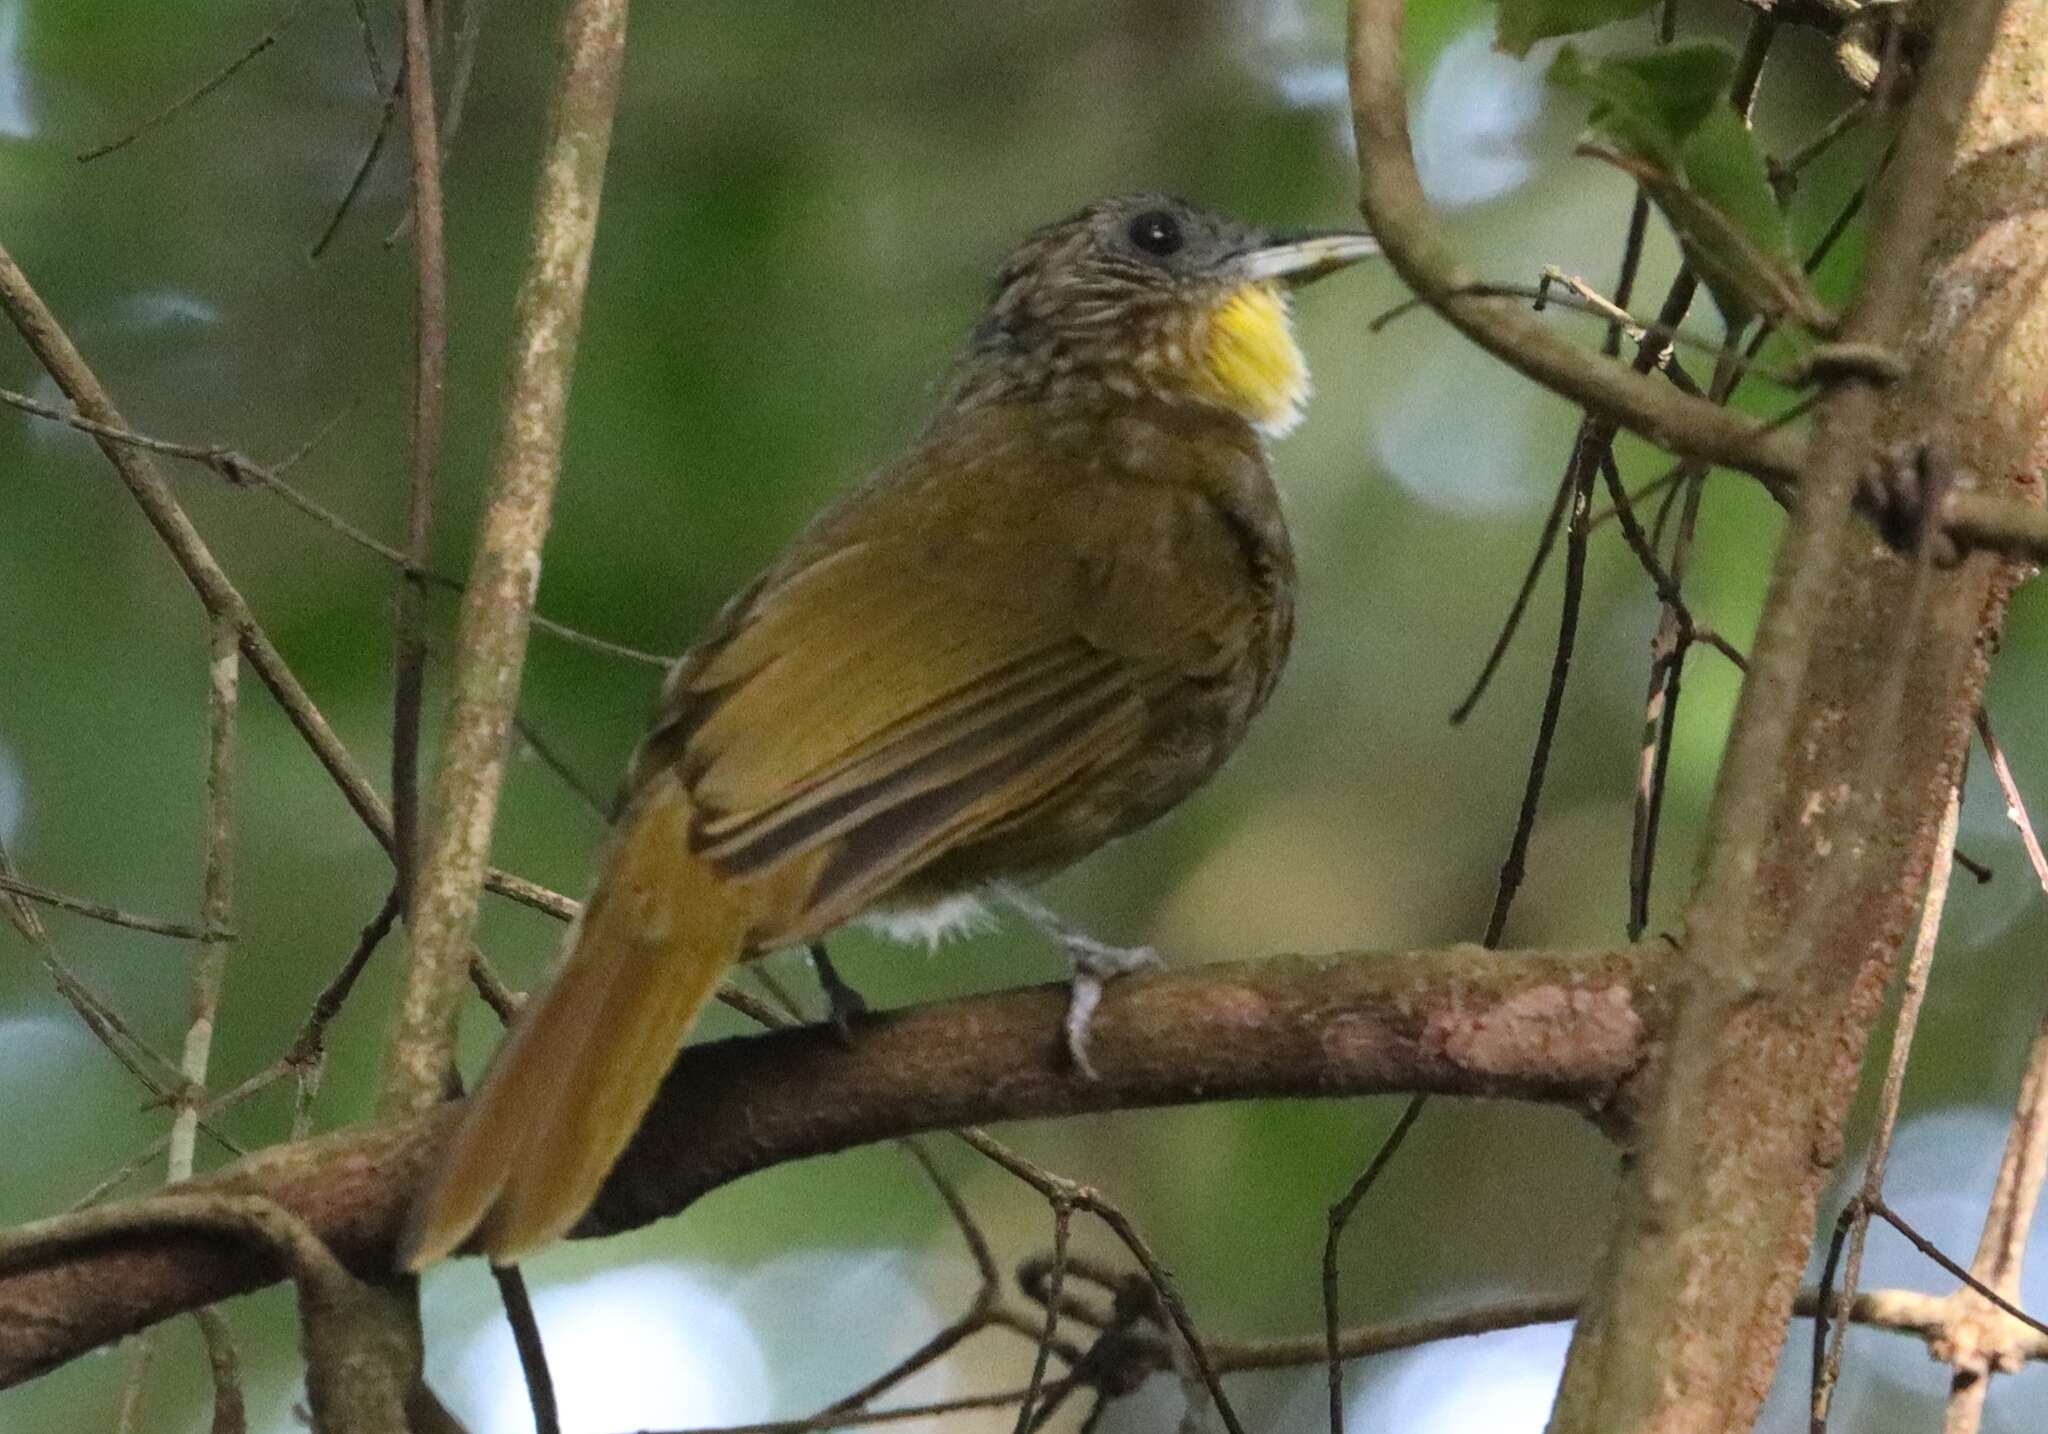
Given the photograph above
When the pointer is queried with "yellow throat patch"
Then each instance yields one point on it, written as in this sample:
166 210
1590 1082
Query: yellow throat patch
1250 359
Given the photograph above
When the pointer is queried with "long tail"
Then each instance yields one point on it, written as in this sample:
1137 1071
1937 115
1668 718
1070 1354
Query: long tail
571 1082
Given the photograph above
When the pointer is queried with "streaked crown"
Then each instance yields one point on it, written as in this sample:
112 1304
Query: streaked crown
1145 295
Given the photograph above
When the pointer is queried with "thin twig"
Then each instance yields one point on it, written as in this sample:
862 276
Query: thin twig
1933 1252
1980 1343
533 1355
215 81
387 117
154 1070
1062 1221
1581 471
1083 1197
1545 541
241 470
372 60
982 1311
819 1423
1848 118
560 765
307 1054
1340 1216
112 915
217 891
429 392
468 38
61 359
209 975
1870 1195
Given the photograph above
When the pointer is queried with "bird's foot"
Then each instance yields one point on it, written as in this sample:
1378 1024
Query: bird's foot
843 1004
1096 964
1905 494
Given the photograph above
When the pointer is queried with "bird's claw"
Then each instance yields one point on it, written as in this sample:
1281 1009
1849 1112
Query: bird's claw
1096 964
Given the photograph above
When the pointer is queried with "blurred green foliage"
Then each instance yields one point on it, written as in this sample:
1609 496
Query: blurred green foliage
805 202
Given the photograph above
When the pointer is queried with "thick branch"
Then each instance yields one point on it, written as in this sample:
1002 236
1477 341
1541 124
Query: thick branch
1846 748
1561 1027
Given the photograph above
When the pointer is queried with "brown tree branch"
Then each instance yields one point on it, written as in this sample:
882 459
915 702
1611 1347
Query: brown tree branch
1561 1027
1419 247
38 326
498 606
1847 744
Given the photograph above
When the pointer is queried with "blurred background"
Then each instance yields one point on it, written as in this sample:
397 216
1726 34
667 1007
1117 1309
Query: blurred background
805 203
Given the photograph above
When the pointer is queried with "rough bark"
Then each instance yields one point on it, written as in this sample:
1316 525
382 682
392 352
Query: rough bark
1848 741
1560 1027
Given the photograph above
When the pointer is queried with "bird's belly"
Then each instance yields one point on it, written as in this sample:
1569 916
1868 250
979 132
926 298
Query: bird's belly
929 923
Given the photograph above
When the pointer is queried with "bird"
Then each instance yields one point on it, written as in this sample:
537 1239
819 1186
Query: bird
1039 628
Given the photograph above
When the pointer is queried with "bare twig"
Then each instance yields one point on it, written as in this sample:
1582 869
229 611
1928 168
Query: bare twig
367 28
387 117
821 1423
533 1355
429 391
1062 1221
39 327
100 911
1061 1191
1871 1192
1580 472
1545 541
1340 1216
210 960
152 1068
560 765
1980 1342
1934 1252
491 649
1421 251
209 973
239 469
213 82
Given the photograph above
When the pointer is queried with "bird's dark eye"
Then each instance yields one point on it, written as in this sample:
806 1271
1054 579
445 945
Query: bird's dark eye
1156 232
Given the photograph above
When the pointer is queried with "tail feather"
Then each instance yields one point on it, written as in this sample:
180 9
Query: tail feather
579 1070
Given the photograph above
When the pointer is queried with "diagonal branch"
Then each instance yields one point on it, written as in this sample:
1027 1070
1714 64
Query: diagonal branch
1419 247
145 481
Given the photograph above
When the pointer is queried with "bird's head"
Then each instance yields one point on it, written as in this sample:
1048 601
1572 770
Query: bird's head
1147 295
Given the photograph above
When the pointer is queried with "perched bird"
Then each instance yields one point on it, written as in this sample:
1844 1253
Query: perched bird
1035 631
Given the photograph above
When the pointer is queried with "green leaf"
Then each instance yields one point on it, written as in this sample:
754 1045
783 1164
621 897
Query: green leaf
1724 167
1664 117
1649 104
1524 22
1743 271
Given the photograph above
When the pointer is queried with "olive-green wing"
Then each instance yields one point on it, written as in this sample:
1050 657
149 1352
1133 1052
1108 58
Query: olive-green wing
889 694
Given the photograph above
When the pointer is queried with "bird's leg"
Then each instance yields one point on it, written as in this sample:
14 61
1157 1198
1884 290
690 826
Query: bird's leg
843 1004
1095 964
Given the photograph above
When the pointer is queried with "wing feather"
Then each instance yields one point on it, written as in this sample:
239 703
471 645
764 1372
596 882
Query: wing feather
884 694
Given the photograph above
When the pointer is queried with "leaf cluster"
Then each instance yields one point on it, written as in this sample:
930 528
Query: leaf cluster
1665 117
